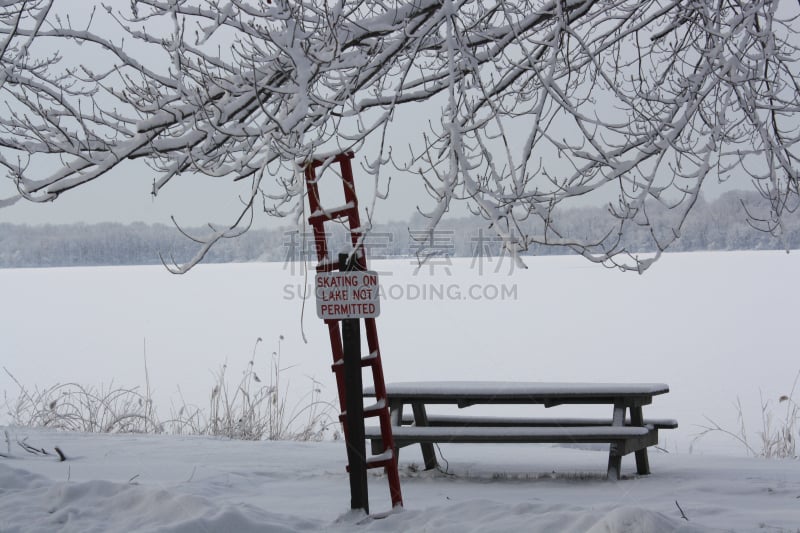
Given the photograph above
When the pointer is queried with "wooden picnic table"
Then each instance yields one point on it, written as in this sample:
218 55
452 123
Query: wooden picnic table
626 430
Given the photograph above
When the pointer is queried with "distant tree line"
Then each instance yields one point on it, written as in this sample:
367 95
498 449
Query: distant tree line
722 224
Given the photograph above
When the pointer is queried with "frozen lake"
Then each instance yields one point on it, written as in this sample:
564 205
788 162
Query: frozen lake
714 326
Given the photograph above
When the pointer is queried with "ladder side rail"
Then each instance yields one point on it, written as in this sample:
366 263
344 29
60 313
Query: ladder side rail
317 224
374 347
353 218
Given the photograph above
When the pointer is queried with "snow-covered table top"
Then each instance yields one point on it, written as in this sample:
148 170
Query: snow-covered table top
516 392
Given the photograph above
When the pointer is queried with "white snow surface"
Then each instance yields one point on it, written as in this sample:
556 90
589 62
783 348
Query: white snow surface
482 389
715 327
187 484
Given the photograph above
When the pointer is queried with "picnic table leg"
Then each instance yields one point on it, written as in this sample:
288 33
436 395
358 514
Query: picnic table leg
421 419
642 461
614 464
614 458
396 413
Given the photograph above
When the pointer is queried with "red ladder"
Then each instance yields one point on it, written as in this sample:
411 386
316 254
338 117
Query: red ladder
327 263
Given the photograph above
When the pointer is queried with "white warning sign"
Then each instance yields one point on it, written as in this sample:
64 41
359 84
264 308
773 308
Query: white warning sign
347 295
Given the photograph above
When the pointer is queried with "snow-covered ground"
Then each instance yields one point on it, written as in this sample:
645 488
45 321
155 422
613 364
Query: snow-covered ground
716 327
196 484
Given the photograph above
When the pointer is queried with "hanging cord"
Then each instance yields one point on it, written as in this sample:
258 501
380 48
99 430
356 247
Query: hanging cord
305 260
446 470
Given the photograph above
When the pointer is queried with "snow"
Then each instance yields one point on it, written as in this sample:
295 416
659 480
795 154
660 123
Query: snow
330 212
475 389
713 326
509 434
176 484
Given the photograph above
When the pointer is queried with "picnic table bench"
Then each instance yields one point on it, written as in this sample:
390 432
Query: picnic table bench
624 435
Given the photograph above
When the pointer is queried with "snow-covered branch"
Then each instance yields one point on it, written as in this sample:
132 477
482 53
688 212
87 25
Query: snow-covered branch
525 105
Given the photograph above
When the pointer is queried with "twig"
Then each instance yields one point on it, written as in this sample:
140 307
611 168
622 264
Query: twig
61 456
31 449
683 515
8 444
39 451
714 427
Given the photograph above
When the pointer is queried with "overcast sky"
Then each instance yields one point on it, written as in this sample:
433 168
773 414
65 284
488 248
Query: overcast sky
124 196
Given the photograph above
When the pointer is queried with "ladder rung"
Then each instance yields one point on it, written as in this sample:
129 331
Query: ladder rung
369 411
381 460
375 409
378 461
326 264
331 214
367 360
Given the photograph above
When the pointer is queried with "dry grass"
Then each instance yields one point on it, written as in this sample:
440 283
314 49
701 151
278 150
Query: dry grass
780 427
75 407
249 408
254 408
